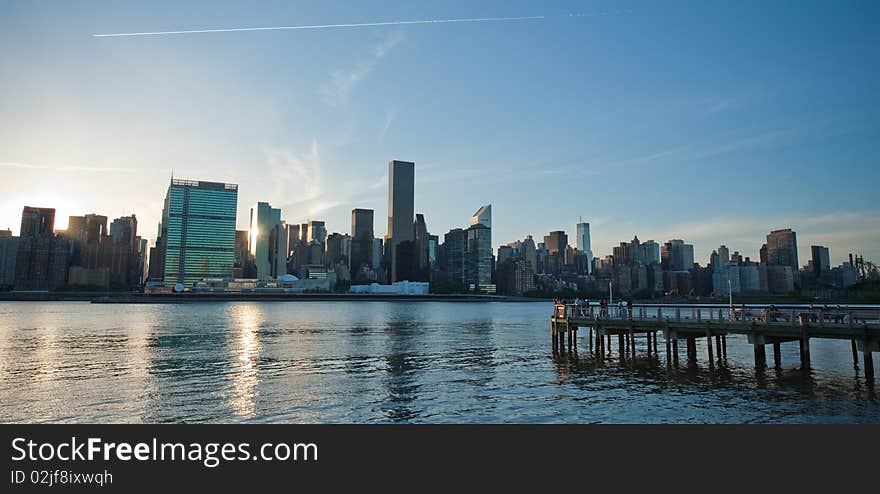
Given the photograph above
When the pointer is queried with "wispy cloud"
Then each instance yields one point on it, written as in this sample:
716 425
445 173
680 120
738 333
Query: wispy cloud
390 115
295 174
343 83
65 168
709 150
304 186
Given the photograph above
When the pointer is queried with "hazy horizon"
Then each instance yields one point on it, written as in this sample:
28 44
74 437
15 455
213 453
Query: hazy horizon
711 123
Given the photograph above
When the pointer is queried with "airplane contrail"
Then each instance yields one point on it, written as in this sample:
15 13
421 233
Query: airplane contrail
323 26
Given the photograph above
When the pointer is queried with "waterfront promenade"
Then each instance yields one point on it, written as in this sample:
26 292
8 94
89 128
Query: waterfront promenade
761 325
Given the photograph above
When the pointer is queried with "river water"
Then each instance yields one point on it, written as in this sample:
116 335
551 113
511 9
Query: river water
365 362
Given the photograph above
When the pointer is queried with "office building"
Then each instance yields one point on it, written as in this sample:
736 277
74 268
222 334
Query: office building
362 239
197 236
8 253
515 276
401 211
42 257
338 249
268 241
454 249
583 243
675 255
317 232
423 249
529 252
821 259
782 249
242 255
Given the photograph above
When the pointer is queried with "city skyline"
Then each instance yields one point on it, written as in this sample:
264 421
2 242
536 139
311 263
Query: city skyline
571 236
722 133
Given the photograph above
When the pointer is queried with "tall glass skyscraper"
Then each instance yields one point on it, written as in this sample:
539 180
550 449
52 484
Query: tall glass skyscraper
265 226
197 234
583 243
361 239
401 211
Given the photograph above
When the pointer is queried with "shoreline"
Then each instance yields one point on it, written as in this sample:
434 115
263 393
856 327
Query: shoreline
139 298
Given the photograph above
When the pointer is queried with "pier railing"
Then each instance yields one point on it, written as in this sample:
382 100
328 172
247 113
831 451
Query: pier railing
820 317
762 325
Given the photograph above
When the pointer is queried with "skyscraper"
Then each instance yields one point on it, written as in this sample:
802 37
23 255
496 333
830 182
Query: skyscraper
556 242
85 234
123 230
317 232
265 222
483 216
37 222
676 255
529 250
338 249
120 252
650 252
454 249
478 258
197 233
821 259
361 240
782 249
8 253
583 243
401 209
242 263
42 257
423 248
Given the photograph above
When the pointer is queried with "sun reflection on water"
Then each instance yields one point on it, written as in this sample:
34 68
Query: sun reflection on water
245 352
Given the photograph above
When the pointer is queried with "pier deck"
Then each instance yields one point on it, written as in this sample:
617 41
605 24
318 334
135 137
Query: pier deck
762 326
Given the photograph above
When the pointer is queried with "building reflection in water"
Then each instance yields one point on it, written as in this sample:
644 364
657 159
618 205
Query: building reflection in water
245 350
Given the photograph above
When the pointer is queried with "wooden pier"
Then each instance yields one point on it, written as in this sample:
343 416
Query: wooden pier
762 326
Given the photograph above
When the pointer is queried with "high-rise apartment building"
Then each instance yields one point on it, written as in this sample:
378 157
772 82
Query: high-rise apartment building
478 258
676 255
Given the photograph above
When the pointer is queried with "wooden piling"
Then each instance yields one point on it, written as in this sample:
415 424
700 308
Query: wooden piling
668 348
709 347
760 355
855 352
777 354
675 351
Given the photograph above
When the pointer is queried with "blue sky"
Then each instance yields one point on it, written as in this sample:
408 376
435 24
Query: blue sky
698 120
